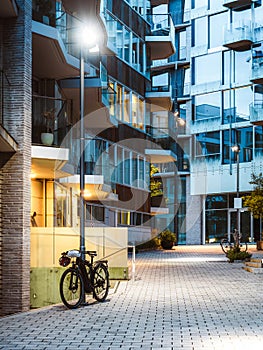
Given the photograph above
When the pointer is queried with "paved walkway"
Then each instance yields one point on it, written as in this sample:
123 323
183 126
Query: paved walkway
189 298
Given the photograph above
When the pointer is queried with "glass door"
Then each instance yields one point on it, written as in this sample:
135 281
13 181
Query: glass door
245 224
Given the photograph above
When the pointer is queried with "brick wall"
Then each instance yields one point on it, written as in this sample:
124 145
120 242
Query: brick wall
15 194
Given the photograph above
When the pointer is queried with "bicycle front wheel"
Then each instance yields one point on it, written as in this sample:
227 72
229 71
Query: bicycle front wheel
101 282
71 288
243 247
225 245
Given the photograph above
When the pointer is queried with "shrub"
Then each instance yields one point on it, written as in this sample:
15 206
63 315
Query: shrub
236 254
167 239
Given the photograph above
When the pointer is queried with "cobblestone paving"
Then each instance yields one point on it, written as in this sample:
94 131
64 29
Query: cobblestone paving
188 298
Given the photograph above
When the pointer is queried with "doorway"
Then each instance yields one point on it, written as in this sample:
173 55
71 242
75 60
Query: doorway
245 224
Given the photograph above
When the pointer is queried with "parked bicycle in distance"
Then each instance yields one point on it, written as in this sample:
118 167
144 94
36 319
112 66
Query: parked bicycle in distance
226 245
83 277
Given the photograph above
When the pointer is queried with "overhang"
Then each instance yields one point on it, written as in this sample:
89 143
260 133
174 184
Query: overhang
160 155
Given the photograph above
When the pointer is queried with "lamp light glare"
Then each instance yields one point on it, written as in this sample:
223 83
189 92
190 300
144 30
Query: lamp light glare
88 37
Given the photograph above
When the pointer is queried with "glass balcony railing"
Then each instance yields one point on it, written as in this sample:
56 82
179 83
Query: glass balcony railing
50 116
256 112
257 68
161 24
238 35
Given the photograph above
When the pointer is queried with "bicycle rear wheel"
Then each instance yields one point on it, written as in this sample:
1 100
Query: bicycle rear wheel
225 245
101 282
71 288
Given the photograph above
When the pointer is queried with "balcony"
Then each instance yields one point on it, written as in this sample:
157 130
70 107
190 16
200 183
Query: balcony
95 187
8 9
240 5
257 69
159 2
159 93
238 36
48 162
160 155
161 40
256 113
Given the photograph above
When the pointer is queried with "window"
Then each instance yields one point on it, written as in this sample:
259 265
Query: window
208 68
242 67
200 32
199 3
207 144
244 138
126 106
207 106
215 22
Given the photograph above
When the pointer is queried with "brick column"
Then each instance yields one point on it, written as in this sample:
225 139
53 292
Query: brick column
15 194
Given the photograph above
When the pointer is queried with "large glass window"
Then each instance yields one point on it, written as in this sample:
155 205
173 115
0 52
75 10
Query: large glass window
244 138
207 106
208 68
215 22
216 225
236 105
208 144
200 32
241 67
127 106
243 97
199 3
182 45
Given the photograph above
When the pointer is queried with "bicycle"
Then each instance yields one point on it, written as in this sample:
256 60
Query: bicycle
83 277
226 245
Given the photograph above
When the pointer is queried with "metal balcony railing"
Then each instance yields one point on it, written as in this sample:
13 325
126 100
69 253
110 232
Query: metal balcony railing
256 112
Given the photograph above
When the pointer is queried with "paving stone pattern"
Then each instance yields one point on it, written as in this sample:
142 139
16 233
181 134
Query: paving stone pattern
188 298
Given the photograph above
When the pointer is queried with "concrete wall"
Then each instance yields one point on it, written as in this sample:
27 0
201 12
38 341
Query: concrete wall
47 243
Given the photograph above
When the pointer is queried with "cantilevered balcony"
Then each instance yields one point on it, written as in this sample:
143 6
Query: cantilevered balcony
257 69
160 96
256 113
159 2
161 40
240 5
238 36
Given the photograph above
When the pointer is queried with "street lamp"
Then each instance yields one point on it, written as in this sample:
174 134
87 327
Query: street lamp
87 40
237 200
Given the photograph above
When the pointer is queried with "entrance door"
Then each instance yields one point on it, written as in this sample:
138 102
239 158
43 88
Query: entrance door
245 224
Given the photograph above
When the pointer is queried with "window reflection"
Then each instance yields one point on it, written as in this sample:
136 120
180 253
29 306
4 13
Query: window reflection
215 22
208 144
207 106
200 32
207 68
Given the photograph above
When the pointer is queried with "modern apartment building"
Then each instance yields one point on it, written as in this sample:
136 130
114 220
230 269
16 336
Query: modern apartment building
127 127
218 80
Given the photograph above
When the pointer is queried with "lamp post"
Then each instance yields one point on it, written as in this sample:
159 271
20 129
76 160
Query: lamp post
88 39
82 148
237 200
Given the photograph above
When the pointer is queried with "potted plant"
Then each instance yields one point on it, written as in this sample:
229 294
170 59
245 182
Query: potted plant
167 239
47 137
254 202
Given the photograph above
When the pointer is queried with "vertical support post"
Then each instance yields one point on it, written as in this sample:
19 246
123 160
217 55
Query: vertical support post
82 148
238 209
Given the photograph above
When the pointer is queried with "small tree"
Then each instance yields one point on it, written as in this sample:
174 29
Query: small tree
155 184
254 201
